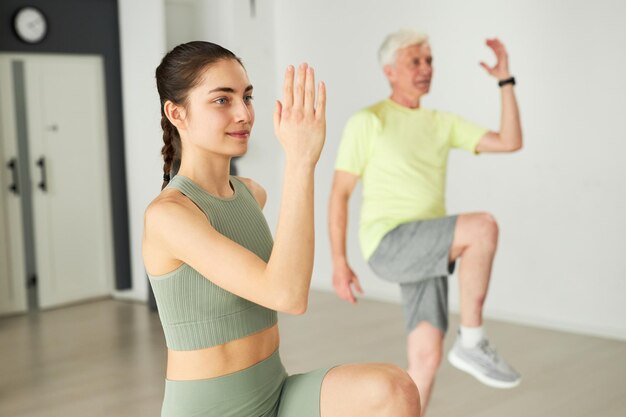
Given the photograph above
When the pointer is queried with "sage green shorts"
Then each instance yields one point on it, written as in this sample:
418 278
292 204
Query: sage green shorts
263 390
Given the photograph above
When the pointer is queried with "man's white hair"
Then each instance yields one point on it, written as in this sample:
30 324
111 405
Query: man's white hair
398 40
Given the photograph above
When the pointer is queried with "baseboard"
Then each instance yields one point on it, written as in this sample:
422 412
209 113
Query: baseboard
515 318
129 295
561 326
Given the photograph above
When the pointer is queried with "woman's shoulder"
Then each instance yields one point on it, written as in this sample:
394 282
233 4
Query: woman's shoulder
170 204
172 222
257 191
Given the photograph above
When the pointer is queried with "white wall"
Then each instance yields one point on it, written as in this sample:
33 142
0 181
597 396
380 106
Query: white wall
181 24
250 35
142 42
339 39
163 25
560 201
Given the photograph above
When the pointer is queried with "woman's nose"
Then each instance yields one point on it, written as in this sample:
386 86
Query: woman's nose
243 113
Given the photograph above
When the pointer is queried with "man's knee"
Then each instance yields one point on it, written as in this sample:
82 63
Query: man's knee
426 346
474 229
487 228
429 356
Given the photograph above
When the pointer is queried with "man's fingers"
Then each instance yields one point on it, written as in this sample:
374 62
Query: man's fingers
288 87
496 46
351 297
344 292
357 285
493 41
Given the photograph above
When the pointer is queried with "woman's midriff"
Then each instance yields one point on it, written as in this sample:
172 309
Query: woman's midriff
223 359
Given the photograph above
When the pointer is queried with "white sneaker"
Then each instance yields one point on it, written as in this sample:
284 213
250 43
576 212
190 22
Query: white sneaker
484 364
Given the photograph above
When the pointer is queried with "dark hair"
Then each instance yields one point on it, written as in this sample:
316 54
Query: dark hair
180 71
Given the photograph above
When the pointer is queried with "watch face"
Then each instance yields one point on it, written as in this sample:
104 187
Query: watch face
30 25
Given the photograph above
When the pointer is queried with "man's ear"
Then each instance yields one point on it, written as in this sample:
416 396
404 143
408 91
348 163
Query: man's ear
389 72
175 114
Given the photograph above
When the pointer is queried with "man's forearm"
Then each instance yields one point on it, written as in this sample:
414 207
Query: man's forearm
337 223
510 126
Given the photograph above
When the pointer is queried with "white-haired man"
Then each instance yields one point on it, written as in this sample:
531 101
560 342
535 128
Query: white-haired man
399 150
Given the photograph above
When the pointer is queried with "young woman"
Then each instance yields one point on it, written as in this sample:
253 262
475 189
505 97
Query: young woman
218 277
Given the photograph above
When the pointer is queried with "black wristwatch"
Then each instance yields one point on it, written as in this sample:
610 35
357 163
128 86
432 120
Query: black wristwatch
506 81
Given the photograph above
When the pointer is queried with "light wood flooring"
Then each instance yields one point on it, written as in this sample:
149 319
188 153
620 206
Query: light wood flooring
107 358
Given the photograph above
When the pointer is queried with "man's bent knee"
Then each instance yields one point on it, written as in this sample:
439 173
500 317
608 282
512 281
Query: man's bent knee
487 228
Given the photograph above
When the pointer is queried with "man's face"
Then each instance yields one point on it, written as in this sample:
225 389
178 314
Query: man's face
412 72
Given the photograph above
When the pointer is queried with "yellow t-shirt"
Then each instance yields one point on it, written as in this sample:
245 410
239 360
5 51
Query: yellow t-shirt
401 156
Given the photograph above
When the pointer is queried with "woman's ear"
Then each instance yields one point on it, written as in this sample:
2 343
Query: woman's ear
175 114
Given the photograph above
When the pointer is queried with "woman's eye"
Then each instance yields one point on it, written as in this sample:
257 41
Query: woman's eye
248 99
221 101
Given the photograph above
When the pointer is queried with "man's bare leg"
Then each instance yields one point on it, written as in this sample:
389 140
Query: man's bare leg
424 351
475 241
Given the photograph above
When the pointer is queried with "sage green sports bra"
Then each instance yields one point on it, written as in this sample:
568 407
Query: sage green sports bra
194 312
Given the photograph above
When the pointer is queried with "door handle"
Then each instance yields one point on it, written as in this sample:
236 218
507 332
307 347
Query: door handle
12 165
43 184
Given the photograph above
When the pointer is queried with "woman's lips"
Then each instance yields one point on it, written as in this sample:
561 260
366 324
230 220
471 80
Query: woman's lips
241 134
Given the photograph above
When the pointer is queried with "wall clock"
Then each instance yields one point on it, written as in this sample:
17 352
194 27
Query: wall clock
30 24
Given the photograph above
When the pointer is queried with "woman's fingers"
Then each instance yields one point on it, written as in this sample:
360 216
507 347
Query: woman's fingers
288 87
299 121
320 108
309 92
298 94
277 113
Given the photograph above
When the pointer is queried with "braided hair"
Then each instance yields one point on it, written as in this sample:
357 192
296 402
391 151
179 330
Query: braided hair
179 71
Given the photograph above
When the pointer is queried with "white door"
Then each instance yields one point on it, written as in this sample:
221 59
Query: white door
69 173
12 272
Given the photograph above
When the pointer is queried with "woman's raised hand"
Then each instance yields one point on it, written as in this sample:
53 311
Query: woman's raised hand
300 122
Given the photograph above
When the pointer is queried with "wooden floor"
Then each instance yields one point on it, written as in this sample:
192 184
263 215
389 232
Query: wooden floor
107 358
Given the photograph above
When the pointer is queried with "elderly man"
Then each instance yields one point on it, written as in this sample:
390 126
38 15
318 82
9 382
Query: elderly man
400 150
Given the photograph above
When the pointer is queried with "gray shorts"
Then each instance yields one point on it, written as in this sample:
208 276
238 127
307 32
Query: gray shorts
416 256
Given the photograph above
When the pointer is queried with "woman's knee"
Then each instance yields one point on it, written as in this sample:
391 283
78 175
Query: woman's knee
379 390
396 391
